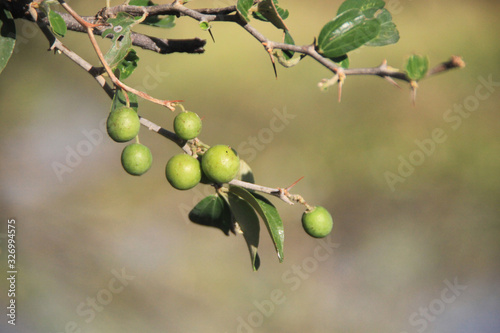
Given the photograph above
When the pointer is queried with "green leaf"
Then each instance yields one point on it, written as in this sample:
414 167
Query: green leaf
120 29
57 23
119 100
127 66
141 3
159 21
283 13
118 50
388 34
269 215
288 40
204 25
346 32
243 6
165 22
245 173
7 37
344 63
248 222
267 11
368 7
212 211
417 66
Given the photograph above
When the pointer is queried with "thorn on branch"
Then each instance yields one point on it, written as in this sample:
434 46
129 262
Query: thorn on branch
269 49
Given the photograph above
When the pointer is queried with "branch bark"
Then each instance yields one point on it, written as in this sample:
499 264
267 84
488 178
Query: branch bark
155 44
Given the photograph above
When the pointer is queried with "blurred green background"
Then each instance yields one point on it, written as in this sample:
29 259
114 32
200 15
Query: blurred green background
394 254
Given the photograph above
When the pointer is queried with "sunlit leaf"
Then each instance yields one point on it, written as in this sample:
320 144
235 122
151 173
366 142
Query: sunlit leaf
118 50
346 32
417 66
368 7
120 30
243 6
7 37
388 34
57 23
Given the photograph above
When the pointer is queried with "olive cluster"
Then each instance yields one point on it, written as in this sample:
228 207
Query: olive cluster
218 164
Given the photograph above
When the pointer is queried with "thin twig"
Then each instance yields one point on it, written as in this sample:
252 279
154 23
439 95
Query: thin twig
56 44
90 27
155 44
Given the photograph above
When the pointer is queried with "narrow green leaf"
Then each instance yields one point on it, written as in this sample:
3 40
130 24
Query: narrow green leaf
212 212
388 34
57 23
248 221
243 6
368 7
119 100
346 32
7 37
417 66
288 40
269 215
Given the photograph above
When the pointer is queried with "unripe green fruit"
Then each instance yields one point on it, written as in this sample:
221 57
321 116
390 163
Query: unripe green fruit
136 159
220 163
183 172
123 124
187 125
317 223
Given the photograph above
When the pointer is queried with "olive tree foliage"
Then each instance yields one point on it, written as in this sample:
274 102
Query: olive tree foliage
238 204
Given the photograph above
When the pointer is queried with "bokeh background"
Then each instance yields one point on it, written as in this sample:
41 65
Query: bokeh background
422 256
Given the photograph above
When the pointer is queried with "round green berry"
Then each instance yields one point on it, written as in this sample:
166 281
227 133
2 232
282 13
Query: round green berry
136 159
187 125
183 172
318 222
123 124
220 163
